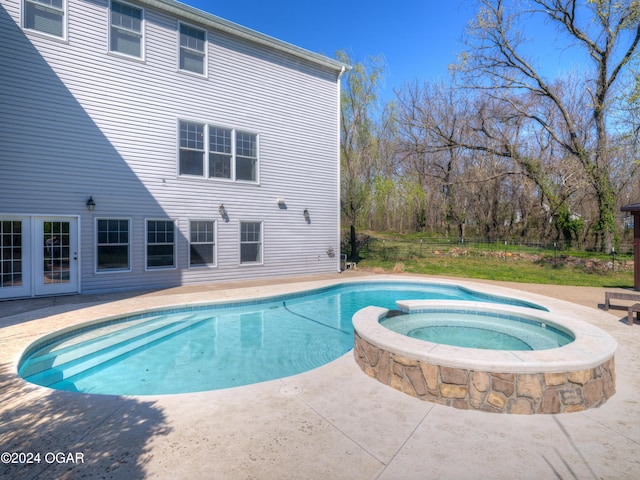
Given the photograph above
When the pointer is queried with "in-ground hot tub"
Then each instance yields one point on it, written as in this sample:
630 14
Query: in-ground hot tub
570 378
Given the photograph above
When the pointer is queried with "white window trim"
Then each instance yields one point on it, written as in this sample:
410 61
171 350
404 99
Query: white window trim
146 244
205 74
65 21
95 232
215 243
205 176
143 42
235 154
250 264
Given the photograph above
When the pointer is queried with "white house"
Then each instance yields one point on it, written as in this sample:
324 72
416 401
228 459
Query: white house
147 144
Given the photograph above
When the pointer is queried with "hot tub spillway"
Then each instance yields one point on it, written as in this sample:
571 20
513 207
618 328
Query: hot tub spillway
52 365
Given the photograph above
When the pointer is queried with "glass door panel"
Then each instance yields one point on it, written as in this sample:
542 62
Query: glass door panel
57 255
14 262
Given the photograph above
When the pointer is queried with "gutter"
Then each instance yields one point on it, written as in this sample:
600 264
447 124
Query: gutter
217 23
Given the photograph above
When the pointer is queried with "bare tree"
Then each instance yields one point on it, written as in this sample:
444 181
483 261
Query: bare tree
358 142
608 33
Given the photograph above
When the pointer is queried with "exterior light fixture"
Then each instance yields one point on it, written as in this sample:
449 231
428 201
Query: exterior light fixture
91 204
280 201
222 210
306 215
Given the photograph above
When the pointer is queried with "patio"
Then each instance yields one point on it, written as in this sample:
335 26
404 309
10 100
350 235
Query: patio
332 422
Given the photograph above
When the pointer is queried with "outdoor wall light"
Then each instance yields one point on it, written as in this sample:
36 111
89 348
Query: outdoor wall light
306 215
222 210
91 204
280 201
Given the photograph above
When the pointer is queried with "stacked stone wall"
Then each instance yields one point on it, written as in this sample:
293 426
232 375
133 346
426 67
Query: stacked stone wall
519 393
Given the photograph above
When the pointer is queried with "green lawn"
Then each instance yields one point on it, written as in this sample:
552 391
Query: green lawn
563 270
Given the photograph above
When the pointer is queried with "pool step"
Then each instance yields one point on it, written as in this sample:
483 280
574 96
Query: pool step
81 357
67 349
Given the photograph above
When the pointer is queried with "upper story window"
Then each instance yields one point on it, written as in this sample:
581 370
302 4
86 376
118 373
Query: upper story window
126 29
246 156
216 152
193 43
46 16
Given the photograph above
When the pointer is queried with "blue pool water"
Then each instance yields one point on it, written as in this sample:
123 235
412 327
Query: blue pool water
484 330
209 348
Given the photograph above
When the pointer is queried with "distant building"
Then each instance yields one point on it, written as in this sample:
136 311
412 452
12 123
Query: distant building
148 144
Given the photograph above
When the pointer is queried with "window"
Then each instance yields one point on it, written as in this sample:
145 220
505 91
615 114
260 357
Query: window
220 155
126 29
192 49
250 242
160 244
246 156
46 16
231 154
11 243
113 244
191 148
202 243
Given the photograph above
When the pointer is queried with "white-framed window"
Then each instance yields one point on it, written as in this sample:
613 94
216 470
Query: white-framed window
161 244
202 243
246 156
113 244
11 253
250 242
191 161
45 16
220 152
193 49
211 151
126 29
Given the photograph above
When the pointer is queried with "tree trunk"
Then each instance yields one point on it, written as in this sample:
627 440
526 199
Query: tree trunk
353 241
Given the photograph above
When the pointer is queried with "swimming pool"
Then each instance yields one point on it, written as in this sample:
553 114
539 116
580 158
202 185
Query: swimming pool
210 347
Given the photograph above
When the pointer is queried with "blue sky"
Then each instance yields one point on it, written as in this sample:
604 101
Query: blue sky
418 38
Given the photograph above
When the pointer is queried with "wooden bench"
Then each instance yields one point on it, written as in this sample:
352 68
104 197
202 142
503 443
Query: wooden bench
633 297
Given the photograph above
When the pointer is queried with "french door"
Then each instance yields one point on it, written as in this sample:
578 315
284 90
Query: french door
38 256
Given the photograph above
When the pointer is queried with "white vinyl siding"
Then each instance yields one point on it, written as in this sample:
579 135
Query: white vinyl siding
126 30
113 244
108 128
45 16
202 243
193 49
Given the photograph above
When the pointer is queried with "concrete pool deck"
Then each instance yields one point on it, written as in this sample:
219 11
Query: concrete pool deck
333 422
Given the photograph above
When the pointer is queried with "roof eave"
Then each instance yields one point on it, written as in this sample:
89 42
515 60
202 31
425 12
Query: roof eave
199 16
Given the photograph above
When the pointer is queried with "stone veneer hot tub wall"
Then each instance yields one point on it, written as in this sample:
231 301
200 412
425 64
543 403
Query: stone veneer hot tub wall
572 378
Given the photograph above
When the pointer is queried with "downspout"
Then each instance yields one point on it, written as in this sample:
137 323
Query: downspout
339 213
